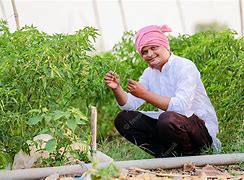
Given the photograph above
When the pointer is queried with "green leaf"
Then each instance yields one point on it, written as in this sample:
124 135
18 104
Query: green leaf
71 123
51 145
44 109
77 112
34 111
34 120
67 114
44 131
83 117
48 118
78 120
58 114
44 83
59 134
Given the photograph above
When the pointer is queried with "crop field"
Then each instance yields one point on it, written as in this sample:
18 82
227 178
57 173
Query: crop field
49 82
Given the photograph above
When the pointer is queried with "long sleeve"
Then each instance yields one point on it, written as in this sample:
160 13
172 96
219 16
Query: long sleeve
186 84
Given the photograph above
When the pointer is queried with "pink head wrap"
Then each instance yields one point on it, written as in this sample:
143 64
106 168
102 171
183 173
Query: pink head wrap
152 35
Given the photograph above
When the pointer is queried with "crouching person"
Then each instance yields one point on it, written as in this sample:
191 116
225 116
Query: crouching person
185 122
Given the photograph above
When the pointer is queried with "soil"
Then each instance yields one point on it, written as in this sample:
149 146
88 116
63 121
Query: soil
189 171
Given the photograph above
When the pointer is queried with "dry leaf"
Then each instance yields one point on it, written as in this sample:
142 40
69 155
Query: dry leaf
210 170
189 167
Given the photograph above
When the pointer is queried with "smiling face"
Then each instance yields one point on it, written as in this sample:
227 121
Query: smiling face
156 56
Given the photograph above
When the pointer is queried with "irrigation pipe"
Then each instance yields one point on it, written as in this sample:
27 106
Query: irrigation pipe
165 163
178 162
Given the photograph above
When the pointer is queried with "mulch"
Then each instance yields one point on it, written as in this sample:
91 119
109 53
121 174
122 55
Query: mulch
188 171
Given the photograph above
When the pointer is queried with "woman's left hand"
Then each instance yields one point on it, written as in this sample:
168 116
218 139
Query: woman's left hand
136 88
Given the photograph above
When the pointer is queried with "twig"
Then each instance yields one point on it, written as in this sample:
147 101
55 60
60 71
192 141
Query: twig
159 174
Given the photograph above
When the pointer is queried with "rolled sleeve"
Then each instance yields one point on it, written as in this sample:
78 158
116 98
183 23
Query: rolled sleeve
132 103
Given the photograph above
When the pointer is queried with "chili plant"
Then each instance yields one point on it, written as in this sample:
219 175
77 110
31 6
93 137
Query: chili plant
39 71
65 127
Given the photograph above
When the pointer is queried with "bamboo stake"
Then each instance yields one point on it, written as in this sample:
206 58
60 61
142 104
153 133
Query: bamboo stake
123 15
16 16
93 131
241 16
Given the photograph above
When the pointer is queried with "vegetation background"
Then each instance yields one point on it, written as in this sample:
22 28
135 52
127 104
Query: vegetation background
49 82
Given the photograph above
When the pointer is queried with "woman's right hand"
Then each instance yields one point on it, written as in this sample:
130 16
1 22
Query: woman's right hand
112 80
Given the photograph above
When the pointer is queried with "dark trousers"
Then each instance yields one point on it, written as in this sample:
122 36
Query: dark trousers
170 135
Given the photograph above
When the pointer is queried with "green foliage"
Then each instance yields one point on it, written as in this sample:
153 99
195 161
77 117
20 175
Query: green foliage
48 82
47 74
219 57
13 136
5 159
43 70
212 26
108 172
64 126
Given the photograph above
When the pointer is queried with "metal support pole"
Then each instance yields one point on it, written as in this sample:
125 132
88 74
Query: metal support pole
181 16
123 15
241 17
97 19
16 16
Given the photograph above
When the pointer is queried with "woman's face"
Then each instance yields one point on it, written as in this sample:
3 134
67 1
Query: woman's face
156 56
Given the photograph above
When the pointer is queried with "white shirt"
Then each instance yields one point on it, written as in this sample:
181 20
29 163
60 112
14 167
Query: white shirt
180 80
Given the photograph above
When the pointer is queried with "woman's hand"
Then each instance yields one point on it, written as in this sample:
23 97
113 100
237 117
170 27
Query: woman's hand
136 89
112 80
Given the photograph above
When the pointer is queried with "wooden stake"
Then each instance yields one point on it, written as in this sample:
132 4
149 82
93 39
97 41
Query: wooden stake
93 131
16 16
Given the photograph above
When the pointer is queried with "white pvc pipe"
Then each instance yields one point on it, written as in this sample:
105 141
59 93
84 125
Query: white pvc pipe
38 173
165 163
177 162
